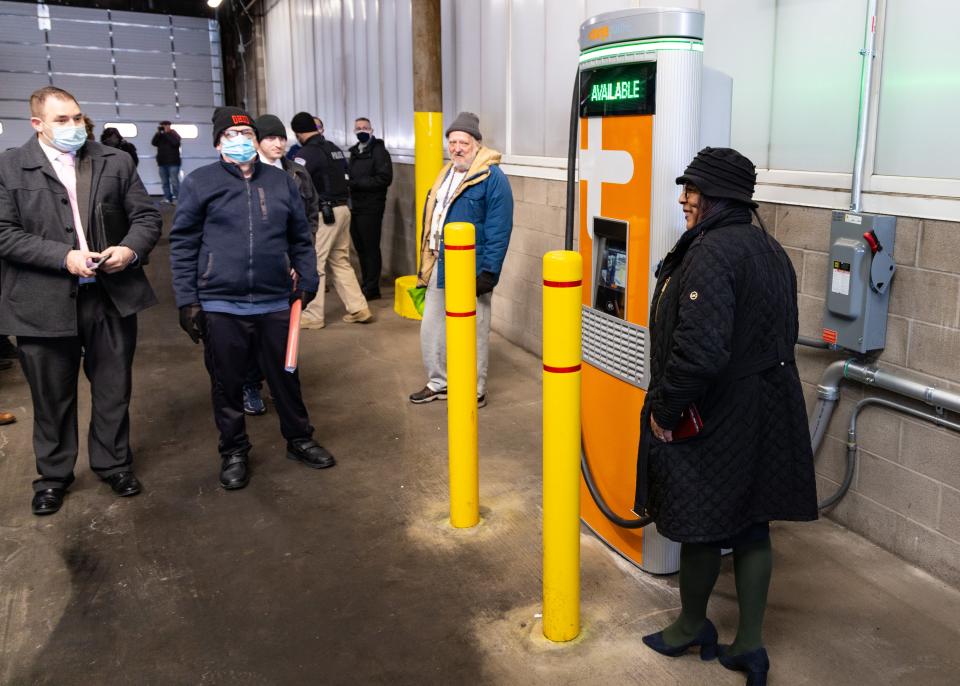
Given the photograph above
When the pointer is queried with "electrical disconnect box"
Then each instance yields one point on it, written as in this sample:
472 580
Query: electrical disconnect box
858 280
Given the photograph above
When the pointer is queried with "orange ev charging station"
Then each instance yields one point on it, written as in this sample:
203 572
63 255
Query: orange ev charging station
640 87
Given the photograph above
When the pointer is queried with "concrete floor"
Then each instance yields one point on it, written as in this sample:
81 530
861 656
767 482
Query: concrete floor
352 576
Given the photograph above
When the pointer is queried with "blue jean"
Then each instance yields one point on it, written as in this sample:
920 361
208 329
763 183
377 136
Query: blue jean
170 178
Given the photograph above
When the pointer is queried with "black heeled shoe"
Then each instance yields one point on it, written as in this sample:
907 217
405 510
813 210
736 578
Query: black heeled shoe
755 663
706 638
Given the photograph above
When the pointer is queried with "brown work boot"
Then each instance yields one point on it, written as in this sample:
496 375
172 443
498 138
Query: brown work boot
7 418
364 316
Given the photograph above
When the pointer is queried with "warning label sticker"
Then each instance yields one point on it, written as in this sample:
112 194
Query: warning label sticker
840 283
852 219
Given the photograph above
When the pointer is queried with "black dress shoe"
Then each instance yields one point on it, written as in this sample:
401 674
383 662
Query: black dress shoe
307 451
706 638
47 501
755 663
124 484
234 473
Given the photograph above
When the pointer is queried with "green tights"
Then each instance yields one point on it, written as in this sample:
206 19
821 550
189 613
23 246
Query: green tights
699 568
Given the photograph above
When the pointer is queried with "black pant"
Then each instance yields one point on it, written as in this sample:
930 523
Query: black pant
231 345
365 230
107 342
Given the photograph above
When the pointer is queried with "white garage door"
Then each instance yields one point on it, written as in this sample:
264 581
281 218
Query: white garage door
128 68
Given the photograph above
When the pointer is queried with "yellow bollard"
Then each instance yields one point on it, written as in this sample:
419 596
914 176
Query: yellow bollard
460 258
428 161
562 293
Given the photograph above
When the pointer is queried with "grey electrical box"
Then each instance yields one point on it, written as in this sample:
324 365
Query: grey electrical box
858 280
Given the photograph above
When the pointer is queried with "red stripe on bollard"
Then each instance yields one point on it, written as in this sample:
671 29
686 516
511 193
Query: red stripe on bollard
561 370
562 284
472 313
458 247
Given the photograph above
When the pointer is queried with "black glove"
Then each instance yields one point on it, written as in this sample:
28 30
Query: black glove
193 320
485 282
306 296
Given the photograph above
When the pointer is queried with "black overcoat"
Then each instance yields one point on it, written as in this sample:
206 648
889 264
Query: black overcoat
38 295
723 328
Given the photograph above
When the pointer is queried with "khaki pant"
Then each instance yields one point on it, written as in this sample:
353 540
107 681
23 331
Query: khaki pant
333 252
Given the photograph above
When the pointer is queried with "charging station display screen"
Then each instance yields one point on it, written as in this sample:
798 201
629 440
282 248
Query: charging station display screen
620 89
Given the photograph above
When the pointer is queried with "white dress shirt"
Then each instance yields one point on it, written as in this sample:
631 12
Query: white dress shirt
65 166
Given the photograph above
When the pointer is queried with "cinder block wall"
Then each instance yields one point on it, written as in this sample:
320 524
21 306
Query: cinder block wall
906 491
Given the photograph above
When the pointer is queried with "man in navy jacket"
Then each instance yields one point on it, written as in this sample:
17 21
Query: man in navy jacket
241 251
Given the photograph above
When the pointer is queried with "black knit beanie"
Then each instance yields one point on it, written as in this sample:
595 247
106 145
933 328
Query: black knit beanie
467 122
225 117
302 122
722 173
270 125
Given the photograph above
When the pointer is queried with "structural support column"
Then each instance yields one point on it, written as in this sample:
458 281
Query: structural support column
427 102
427 126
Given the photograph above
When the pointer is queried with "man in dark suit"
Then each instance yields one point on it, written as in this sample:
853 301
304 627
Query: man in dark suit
76 225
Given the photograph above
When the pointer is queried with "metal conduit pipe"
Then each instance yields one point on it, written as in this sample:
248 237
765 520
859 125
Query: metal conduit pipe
852 438
871 375
866 79
812 342
828 393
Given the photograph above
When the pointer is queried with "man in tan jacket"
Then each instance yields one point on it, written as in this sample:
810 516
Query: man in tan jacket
471 188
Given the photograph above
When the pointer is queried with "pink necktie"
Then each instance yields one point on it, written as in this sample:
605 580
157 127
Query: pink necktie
68 177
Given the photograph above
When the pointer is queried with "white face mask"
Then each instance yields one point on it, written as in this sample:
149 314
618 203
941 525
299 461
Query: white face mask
68 138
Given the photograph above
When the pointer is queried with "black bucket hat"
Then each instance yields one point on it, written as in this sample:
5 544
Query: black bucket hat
722 173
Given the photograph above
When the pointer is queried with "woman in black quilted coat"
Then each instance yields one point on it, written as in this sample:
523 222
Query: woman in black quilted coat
723 324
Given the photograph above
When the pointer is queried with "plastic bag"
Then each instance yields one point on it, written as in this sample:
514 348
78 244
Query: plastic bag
418 294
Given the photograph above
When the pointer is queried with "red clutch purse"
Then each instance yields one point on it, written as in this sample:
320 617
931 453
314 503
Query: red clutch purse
690 423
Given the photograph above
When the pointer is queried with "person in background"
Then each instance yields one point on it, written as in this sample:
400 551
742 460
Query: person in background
470 188
235 295
271 144
371 173
167 143
326 164
77 295
295 148
722 335
90 127
112 137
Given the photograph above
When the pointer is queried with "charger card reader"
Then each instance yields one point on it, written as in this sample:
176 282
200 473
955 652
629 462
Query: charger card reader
610 266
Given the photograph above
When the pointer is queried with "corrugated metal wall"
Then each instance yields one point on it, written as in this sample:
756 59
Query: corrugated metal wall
123 67
342 60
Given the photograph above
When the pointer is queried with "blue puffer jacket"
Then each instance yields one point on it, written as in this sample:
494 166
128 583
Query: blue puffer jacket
236 239
483 199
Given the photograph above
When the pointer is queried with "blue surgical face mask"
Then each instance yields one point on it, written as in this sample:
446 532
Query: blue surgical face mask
68 138
240 149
